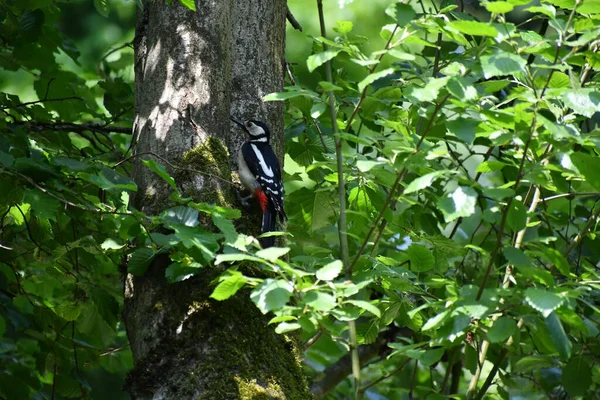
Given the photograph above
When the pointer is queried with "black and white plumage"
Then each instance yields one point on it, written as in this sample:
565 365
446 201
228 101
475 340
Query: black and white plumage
260 173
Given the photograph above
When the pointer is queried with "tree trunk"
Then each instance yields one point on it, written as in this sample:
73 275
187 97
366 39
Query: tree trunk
194 70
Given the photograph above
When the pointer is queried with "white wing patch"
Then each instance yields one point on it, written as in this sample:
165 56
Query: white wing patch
268 171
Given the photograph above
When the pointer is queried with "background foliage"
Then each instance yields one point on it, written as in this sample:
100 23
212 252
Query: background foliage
469 146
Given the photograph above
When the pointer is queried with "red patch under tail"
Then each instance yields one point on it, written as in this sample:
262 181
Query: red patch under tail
263 200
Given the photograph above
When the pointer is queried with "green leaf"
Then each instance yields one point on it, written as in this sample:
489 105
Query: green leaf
111 244
108 179
102 7
221 258
272 253
365 305
320 301
343 27
502 329
140 261
490 166
271 295
425 181
429 92
68 311
517 216
577 377
463 129
474 28
373 77
585 102
2 326
330 271
436 320
499 7
191 4
588 166
533 363
430 357
501 64
543 301
161 171
228 285
460 203
559 336
516 257
421 258
107 306
42 205
285 327
186 216
316 60
402 13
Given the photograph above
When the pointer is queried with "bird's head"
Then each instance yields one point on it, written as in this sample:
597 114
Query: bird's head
257 130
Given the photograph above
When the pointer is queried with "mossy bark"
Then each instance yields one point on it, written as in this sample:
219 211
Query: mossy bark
194 70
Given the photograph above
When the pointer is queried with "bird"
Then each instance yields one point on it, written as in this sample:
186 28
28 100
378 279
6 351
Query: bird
260 174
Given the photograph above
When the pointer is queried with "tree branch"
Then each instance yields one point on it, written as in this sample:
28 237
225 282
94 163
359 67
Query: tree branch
71 127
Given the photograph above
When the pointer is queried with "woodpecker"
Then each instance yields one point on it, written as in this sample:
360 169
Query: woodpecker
260 174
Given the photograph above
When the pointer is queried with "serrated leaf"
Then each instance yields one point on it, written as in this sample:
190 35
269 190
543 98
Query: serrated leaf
316 60
543 301
228 286
421 258
585 102
68 311
330 271
140 261
373 77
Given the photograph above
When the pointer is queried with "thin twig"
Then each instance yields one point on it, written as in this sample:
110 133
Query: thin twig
164 160
291 19
41 101
71 127
386 376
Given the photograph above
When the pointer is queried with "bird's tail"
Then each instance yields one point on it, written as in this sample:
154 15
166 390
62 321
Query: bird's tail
268 225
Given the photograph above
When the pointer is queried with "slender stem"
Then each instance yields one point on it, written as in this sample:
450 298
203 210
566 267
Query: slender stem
342 224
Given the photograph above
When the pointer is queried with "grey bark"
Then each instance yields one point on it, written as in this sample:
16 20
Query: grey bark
194 70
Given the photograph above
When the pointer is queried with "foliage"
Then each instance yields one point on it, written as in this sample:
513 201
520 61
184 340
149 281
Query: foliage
469 154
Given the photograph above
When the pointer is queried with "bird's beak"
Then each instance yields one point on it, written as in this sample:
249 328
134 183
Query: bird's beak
237 121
